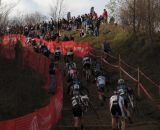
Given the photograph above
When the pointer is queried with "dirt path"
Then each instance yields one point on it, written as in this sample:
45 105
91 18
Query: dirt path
146 117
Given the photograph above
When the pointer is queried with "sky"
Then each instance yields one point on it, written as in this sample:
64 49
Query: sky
76 7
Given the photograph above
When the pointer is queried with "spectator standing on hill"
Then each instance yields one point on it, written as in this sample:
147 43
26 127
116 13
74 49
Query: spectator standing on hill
97 23
105 16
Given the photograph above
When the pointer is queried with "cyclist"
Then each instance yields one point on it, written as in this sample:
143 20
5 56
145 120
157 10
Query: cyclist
87 62
44 50
75 88
125 97
52 72
69 56
79 106
121 85
101 84
124 90
57 54
72 74
70 69
117 109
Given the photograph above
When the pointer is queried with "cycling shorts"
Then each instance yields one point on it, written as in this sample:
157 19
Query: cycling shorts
87 66
77 111
116 111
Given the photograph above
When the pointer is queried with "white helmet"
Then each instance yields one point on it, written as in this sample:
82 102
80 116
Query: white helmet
120 81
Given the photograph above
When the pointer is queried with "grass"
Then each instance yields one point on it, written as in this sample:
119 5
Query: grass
21 90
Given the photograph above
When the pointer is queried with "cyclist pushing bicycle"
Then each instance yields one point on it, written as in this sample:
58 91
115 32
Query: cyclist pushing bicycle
87 62
117 109
126 93
79 106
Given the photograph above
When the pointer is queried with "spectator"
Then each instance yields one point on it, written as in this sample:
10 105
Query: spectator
18 51
96 27
105 16
112 20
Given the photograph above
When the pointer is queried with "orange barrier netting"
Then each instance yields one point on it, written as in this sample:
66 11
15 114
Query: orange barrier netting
80 49
46 117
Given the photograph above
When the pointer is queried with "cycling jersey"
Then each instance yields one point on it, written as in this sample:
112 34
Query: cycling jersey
80 101
69 53
57 52
86 60
116 105
76 106
101 80
71 65
75 89
72 73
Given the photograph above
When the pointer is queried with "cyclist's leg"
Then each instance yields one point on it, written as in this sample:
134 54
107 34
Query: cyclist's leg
82 123
123 123
113 115
113 123
77 113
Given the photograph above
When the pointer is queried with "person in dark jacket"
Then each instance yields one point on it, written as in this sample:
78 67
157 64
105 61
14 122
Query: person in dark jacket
52 72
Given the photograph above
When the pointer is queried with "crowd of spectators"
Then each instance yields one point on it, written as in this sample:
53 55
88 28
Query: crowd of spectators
52 29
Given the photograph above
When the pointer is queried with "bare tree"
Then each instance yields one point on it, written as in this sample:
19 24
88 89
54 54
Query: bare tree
5 10
57 9
33 18
141 16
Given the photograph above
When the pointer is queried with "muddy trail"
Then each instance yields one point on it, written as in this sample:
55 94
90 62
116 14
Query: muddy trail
145 117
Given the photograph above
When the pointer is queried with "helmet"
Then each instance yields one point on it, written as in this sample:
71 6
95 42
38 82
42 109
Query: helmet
120 81
121 92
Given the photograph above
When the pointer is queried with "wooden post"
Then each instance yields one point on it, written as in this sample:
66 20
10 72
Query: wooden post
159 90
120 73
138 84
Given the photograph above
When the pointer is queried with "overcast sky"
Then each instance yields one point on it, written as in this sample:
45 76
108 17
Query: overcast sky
76 7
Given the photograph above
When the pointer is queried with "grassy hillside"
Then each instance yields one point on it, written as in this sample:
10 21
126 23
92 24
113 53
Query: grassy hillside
21 90
138 53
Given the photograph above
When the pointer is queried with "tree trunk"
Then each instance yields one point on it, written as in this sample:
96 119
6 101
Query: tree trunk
149 21
134 18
